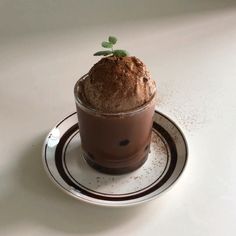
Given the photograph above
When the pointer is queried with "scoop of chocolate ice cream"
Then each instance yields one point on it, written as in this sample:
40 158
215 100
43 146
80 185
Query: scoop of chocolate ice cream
117 84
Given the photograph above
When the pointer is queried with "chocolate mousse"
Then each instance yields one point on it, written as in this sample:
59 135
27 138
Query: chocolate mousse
115 104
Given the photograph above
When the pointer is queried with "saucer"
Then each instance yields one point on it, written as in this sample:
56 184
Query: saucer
67 168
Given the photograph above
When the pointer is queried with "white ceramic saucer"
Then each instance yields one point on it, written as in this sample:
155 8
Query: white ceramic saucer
65 165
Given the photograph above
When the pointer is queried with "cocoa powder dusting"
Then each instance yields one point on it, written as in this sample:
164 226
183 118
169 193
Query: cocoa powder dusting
183 110
158 144
117 84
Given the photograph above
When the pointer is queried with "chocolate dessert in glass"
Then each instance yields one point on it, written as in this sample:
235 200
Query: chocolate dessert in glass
115 104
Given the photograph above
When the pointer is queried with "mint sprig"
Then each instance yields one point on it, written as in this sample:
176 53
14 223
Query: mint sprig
111 42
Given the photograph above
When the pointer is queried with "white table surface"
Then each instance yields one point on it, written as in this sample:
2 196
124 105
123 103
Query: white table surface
190 49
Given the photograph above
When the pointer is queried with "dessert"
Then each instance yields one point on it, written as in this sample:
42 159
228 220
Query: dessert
115 104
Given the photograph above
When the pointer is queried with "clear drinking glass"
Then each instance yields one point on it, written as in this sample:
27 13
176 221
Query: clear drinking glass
115 143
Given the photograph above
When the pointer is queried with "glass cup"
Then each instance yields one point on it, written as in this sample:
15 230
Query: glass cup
115 143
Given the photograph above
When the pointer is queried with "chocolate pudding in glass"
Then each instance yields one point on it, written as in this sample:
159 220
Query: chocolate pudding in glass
115 104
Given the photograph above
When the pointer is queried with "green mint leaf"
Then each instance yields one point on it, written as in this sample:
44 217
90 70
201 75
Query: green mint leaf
120 53
107 44
103 53
112 39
